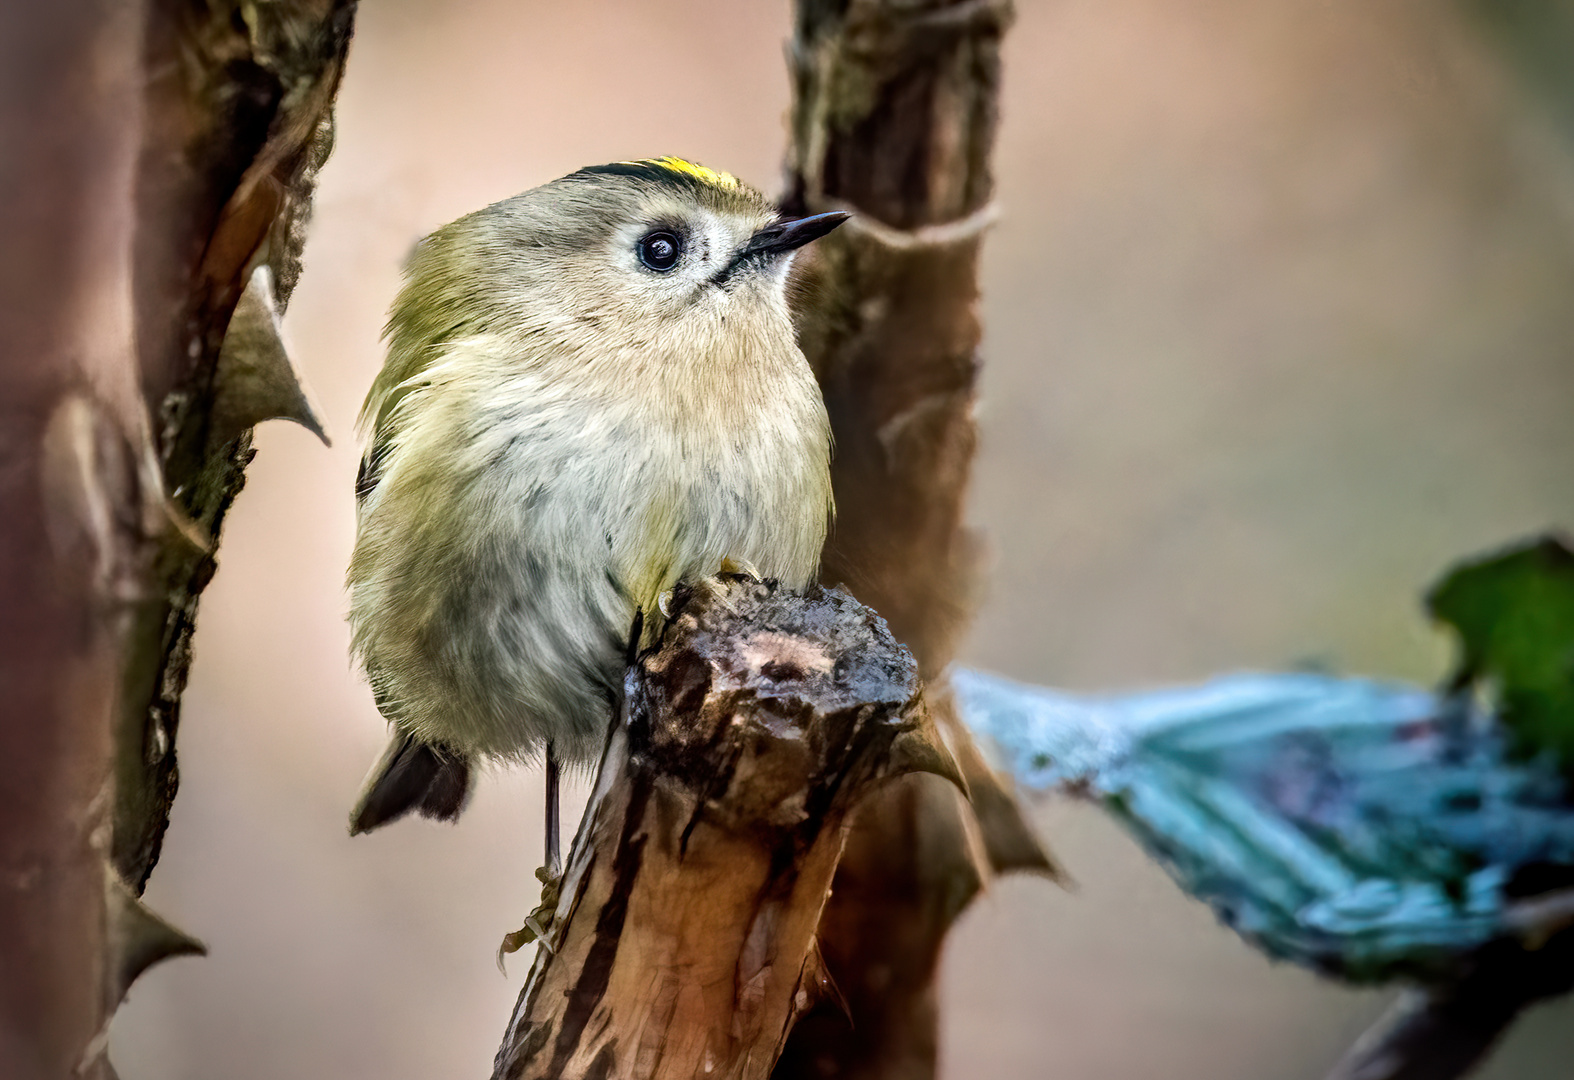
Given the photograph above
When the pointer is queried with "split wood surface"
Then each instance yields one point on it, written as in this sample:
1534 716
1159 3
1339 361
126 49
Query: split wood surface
685 941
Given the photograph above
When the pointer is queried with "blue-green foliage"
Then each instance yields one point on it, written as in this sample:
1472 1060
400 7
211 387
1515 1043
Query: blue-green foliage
1368 830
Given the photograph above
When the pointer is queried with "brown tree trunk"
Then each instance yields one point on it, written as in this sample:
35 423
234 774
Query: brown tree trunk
894 118
155 168
70 501
685 937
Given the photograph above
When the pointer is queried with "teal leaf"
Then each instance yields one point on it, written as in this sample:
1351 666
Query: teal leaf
1364 829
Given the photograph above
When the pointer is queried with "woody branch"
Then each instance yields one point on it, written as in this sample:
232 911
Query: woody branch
686 936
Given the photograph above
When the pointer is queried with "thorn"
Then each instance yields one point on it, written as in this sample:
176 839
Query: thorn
1010 840
104 499
920 749
256 380
818 982
138 937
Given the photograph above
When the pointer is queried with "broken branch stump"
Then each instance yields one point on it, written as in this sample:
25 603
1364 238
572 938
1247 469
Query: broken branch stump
685 935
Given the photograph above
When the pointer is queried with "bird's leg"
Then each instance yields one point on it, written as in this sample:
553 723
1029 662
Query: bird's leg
538 924
554 854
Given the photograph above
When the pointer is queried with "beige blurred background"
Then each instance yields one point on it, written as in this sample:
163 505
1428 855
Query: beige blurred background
1280 319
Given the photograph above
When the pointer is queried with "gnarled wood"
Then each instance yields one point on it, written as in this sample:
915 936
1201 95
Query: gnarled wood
685 942
238 103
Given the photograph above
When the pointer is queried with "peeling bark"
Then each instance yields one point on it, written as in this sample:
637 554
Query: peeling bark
685 936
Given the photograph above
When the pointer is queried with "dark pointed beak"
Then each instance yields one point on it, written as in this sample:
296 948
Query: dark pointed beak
785 236
777 239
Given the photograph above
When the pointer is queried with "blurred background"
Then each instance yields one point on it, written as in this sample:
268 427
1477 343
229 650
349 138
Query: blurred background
1280 320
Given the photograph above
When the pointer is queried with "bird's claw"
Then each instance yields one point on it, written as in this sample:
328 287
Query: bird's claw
743 568
539 923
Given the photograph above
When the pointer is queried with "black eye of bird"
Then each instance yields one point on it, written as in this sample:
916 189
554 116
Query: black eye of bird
660 250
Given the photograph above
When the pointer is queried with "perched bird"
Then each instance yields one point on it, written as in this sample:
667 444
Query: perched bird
592 392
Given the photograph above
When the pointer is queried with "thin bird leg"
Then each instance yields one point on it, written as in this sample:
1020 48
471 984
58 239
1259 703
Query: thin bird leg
538 924
554 854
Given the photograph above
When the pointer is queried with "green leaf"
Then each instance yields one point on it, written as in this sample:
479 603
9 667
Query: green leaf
1514 613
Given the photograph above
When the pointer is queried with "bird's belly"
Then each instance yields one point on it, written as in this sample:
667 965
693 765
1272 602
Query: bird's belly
520 637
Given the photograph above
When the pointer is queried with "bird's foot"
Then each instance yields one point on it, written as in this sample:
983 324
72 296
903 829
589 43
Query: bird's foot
539 923
739 568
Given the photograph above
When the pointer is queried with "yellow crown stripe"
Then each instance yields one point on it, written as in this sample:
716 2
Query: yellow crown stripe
725 181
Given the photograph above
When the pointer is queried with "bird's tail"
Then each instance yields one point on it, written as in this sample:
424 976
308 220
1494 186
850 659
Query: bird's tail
412 775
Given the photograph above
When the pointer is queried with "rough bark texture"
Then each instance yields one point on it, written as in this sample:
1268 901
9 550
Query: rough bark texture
153 156
239 103
894 118
685 938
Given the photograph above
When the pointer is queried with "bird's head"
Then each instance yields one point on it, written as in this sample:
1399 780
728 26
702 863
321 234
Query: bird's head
624 268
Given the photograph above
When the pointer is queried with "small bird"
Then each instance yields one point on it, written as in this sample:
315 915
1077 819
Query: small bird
593 392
